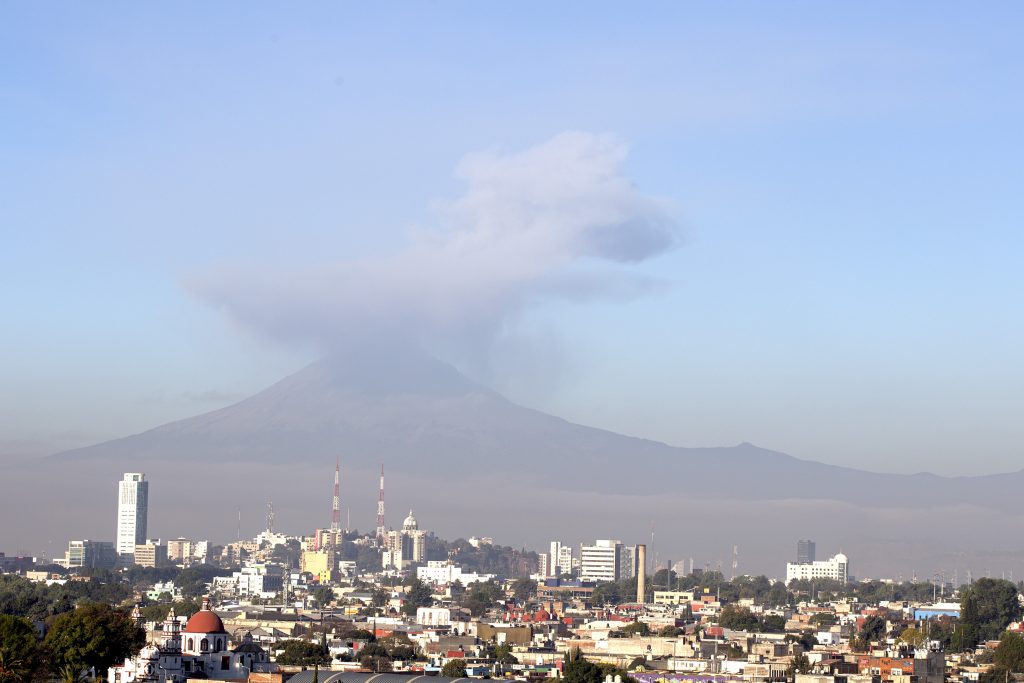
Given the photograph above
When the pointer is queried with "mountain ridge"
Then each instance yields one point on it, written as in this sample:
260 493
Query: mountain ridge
419 414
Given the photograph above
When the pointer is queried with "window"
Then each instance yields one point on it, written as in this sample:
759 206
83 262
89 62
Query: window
191 644
225 663
204 645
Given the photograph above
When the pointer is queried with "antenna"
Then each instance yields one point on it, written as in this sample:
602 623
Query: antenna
380 507
238 530
270 516
336 501
735 561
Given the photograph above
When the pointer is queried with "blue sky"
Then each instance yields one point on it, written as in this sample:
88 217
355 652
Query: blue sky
845 177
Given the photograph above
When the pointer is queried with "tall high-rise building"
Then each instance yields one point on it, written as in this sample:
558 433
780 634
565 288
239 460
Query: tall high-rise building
600 562
560 559
132 510
804 552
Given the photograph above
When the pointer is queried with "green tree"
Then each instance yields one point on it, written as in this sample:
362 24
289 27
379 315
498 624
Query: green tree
454 668
987 607
738 618
323 595
524 589
379 597
913 636
93 636
577 669
995 674
823 619
873 628
801 665
503 655
1010 653
637 628
20 655
773 623
417 594
303 653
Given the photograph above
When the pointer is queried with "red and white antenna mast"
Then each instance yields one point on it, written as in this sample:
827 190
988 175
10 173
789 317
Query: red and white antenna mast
380 507
336 503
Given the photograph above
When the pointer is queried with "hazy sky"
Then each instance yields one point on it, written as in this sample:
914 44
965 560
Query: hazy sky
795 224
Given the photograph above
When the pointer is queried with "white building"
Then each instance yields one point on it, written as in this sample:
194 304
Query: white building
132 510
439 573
600 562
836 568
560 559
404 547
433 616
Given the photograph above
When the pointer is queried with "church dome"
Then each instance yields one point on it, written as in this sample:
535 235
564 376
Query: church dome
205 621
410 522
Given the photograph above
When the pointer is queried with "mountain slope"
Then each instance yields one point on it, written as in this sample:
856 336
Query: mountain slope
422 417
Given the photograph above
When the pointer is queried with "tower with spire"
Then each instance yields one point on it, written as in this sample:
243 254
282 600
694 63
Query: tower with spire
381 531
336 502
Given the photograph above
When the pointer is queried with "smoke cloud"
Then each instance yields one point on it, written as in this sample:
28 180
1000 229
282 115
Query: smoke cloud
558 221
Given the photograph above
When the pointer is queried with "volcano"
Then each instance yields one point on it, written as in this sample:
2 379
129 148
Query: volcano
422 416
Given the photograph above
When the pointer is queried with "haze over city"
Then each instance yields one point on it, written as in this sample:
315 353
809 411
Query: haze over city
791 225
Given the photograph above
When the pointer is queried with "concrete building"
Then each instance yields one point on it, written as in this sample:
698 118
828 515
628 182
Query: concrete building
433 616
836 568
132 512
90 554
542 565
405 546
600 562
804 552
151 554
439 573
320 563
560 560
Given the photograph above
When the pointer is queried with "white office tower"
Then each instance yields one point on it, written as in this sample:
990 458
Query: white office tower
836 568
132 508
600 562
560 559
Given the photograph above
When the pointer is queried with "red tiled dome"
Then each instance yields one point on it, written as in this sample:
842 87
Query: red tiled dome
205 621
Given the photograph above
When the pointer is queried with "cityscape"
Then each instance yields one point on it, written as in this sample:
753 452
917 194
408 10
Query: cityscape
283 606
542 342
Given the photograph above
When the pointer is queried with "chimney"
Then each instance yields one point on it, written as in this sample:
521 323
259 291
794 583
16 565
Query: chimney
641 567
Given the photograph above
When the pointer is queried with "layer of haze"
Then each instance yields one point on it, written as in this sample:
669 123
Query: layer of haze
796 225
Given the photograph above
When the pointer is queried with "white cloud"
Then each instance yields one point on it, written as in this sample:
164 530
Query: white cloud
558 220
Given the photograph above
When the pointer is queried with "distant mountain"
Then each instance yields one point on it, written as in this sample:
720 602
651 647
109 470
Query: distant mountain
423 417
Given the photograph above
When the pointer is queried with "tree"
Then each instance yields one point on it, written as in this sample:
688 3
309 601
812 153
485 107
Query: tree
801 665
379 597
1010 653
773 623
503 655
987 607
577 669
873 628
913 636
523 589
417 594
995 674
93 636
20 657
303 653
454 668
823 619
736 618
323 595
637 628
